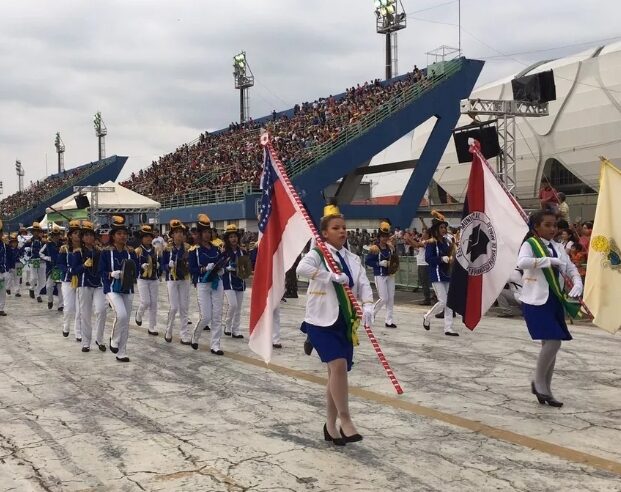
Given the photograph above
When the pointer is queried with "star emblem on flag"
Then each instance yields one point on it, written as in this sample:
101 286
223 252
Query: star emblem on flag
477 243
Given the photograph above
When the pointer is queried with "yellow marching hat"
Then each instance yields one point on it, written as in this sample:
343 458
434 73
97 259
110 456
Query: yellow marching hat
231 229
176 224
203 222
384 228
36 226
118 224
146 230
74 225
87 226
331 208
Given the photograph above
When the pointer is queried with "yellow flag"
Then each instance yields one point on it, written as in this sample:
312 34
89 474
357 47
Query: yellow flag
602 290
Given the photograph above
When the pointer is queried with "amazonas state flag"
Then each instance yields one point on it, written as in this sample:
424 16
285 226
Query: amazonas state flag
492 231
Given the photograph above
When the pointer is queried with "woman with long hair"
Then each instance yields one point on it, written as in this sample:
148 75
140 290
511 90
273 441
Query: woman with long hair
544 303
327 322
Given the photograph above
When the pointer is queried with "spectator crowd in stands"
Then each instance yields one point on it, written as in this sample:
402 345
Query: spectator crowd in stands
234 156
35 192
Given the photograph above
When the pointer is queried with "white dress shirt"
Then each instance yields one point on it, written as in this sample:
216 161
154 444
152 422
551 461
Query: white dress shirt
322 305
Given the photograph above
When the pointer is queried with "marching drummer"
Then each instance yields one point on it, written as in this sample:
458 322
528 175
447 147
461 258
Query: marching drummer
89 293
207 267
233 283
118 266
148 283
69 281
174 262
49 254
379 258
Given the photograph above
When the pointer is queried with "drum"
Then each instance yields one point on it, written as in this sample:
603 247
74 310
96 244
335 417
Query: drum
393 264
244 267
56 274
19 269
181 269
128 275
36 262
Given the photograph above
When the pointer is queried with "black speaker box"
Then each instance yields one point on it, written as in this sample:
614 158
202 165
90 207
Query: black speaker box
536 88
485 133
81 201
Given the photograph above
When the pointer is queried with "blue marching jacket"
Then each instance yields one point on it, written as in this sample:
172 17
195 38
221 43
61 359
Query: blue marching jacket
3 257
87 276
63 262
175 254
438 270
12 254
50 249
201 257
111 260
372 260
230 280
143 254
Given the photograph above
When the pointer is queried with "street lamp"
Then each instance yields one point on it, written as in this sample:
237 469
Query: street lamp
389 18
244 79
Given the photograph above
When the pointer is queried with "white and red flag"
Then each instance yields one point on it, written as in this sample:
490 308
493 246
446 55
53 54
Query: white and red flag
283 233
492 232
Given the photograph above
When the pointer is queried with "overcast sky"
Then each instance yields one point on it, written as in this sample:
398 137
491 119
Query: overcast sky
160 71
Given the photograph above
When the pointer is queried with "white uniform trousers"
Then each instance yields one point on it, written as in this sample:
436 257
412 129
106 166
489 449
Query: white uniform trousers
39 279
14 285
49 288
386 291
234 298
3 284
92 299
179 300
276 329
210 303
71 309
441 290
27 274
147 290
122 305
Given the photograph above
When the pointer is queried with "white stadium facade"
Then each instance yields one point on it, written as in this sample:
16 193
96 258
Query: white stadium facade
584 123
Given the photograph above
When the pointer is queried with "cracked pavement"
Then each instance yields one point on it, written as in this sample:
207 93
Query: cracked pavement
178 419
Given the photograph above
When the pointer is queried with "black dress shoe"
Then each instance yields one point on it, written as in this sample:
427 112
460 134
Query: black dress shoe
31 292
391 325
61 309
451 334
86 349
139 323
239 335
122 359
78 340
540 397
217 352
227 333
308 347
154 333
426 324
39 299
440 315
553 402
195 345
65 334
114 350
354 438
50 305
18 295
189 322
168 339
183 342
100 346
206 328
28 285
8 292
2 313
277 345
337 441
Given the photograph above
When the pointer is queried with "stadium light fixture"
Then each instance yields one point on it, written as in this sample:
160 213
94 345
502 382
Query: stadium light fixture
101 131
60 150
244 79
390 17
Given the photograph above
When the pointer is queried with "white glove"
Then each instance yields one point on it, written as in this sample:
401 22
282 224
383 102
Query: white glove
339 278
221 272
367 315
383 263
171 264
230 268
576 290
445 259
555 262
144 266
209 267
116 274
45 258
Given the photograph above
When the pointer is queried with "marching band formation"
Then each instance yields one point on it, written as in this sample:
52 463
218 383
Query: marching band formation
87 276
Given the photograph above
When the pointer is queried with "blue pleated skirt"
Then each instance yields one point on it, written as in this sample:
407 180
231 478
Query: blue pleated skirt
546 322
331 342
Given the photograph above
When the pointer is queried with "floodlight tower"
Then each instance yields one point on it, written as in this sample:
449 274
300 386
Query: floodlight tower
101 131
20 174
244 79
60 150
389 18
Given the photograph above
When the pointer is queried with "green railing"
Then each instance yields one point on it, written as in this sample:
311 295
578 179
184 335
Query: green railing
68 183
219 194
371 119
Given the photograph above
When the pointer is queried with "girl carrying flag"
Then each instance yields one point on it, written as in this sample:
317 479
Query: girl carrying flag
330 321
544 303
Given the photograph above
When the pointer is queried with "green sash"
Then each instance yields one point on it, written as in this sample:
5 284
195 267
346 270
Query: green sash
541 251
351 319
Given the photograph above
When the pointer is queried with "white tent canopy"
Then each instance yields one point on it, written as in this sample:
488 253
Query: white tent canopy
121 200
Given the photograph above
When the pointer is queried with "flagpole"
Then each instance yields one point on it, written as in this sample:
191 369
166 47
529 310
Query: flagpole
475 148
333 265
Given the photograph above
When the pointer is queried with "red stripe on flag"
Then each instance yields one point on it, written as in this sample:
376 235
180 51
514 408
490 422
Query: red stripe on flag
282 211
476 203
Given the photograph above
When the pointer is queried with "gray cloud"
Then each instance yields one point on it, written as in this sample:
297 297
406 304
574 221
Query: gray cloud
160 71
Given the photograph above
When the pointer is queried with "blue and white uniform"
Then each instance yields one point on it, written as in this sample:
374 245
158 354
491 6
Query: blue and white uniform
178 288
148 285
71 309
4 273
89 295
384 282
49 254
234 288
437 256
